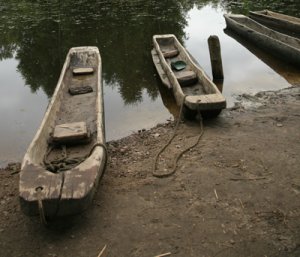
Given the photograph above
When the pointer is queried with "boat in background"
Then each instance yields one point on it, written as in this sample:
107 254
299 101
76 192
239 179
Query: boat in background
288 71
283 23
189 83
283 46
62 167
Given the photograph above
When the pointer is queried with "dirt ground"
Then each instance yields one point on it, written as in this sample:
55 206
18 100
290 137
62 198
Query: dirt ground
235 194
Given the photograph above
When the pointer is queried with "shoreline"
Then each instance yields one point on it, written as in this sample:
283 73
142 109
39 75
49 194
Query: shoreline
244 102
236 191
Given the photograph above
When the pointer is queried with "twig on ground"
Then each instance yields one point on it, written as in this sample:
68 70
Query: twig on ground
255 178
102 251
217 197
163 255
241 203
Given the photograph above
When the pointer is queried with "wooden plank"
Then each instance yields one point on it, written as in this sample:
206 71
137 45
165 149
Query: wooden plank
283 23
186 77
83 71
69 132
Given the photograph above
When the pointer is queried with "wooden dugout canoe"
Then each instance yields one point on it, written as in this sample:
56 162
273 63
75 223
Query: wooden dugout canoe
287 71
66 159
277 21
283 46
191 83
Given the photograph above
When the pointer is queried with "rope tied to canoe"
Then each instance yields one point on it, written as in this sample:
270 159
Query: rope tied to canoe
65 163
41 209
176 159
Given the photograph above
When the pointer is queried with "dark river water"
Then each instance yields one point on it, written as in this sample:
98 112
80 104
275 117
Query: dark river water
35 37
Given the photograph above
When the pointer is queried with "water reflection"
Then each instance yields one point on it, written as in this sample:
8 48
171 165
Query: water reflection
286 70
36 36
43 33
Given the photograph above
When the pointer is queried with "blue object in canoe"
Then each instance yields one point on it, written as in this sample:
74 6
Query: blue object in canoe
178 65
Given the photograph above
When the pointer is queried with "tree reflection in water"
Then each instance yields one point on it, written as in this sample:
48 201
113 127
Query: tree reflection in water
40 33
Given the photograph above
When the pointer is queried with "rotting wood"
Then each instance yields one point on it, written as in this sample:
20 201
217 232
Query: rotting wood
215 57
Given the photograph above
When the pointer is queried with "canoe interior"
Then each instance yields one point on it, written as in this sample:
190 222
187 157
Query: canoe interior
78 108
199 87
280 22
67 108
279 16
252 25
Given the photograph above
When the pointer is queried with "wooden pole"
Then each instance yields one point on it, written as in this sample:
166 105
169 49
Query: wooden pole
215 58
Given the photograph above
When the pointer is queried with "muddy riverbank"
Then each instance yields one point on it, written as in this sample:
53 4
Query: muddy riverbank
235 194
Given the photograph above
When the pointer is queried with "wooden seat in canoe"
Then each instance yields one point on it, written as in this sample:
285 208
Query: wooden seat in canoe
186 77
75 132
78 90
170 53
83 71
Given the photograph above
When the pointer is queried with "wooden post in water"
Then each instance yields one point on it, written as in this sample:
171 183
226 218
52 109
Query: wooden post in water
216 60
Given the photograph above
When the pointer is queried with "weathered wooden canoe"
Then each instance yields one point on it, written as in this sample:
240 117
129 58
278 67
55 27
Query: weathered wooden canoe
283 46
288 71
277 21
190 84
62 167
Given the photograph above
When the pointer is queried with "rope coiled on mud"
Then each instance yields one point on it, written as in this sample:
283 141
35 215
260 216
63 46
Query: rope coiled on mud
176 159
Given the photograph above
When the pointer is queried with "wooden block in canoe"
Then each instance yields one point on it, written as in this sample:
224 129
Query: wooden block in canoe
186 77
70 133
78 90
83 71
170 53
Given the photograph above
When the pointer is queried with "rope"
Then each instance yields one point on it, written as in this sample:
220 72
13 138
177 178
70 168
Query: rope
163 175
39 189
66 163
40 205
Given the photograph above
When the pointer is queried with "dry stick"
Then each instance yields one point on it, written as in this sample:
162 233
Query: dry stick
241 203
163 255
257 178
217 197
102 251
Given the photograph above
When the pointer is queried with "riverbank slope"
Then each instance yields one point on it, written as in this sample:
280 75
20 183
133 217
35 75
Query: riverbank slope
235 194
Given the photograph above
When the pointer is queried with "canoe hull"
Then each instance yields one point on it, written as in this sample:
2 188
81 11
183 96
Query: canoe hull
70 191
210 98
283 23
282 46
